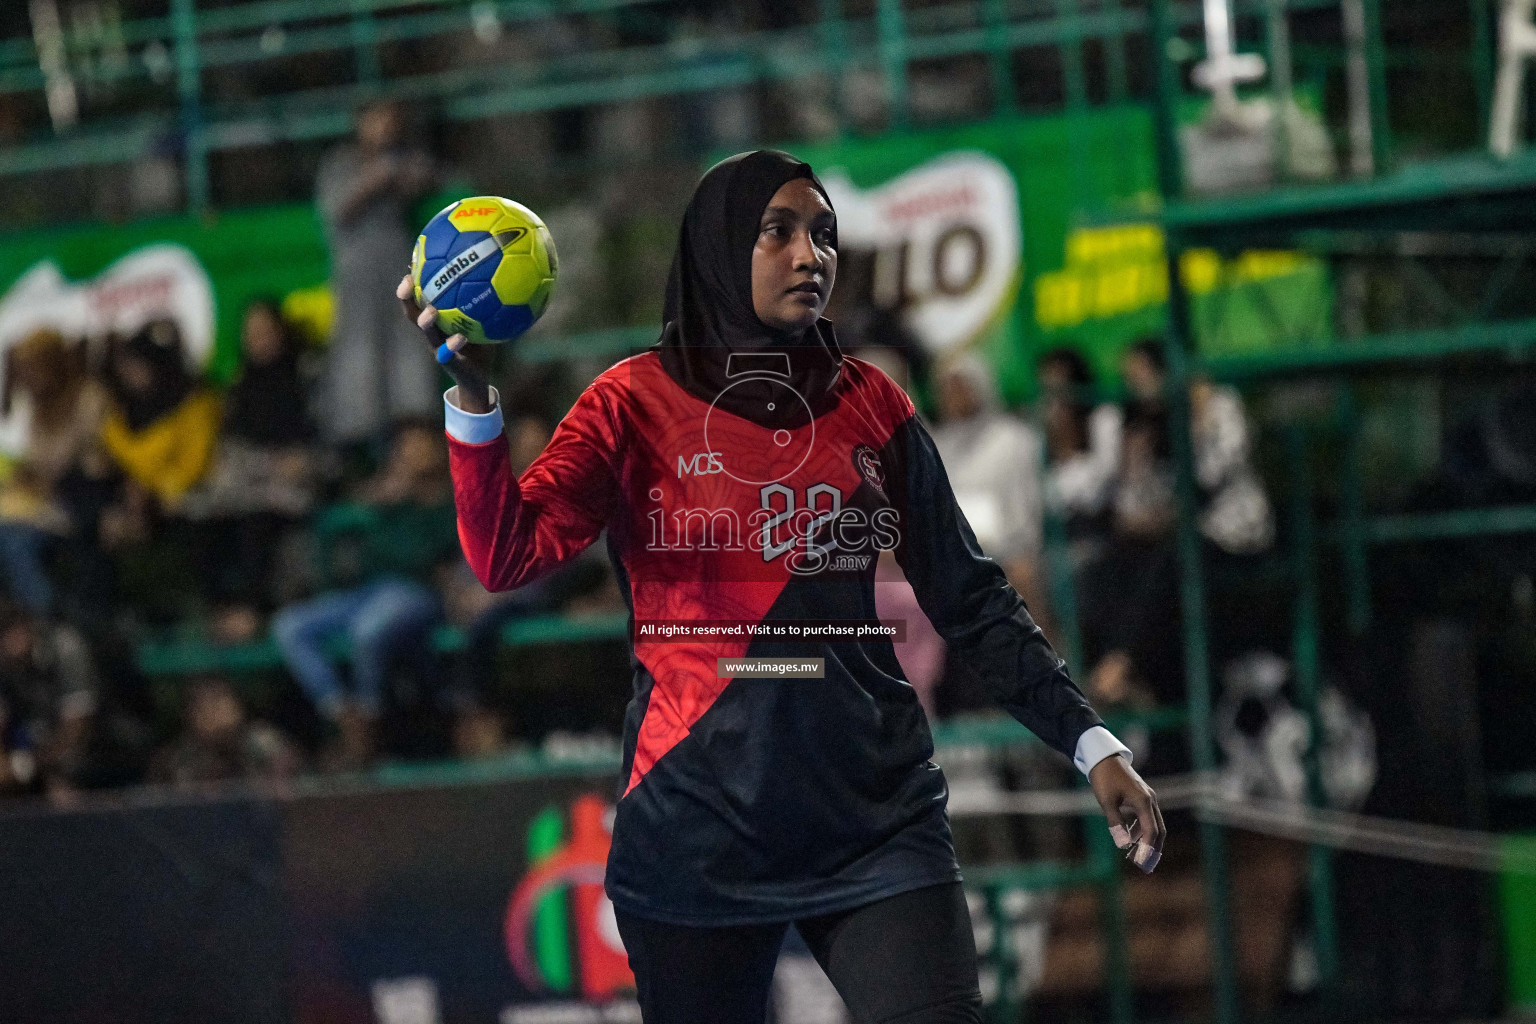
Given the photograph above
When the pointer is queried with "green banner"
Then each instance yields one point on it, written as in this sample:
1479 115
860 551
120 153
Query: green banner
1080 212
1011 236
1518 892
276 251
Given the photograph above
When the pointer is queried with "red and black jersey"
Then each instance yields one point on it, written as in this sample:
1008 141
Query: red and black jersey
758 799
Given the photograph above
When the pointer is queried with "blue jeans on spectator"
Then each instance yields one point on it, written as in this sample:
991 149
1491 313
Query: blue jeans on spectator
380 618
22 552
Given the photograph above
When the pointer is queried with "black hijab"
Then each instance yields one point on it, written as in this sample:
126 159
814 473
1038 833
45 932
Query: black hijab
159 346
708 314
267 405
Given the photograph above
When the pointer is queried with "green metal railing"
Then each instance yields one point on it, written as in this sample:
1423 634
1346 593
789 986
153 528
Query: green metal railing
1468 196
193 655
170 59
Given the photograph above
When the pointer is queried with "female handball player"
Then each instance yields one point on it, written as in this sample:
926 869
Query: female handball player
776 770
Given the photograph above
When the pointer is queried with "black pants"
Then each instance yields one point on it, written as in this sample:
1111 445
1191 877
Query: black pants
907 959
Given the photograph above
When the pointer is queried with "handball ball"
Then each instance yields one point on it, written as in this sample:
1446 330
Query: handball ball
488 265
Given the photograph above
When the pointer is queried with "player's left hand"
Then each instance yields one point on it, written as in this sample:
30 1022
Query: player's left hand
1139 834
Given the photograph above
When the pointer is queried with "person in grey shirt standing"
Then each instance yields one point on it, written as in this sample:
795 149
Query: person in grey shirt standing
365 191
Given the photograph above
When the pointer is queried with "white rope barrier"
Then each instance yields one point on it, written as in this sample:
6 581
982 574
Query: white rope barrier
1340 830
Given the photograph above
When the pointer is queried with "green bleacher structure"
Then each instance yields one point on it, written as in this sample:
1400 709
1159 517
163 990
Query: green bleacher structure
1472 197
1469 195
192 656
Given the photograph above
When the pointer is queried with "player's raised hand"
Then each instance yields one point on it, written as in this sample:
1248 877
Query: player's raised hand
474 391
1139 834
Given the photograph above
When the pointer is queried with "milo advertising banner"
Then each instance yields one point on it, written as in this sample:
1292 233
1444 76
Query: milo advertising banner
199 271
91 282
1017 236
1012 236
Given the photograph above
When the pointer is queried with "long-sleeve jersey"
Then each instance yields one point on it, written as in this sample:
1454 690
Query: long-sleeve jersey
755 799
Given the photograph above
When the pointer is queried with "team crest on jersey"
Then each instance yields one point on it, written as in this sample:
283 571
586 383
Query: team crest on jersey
867 461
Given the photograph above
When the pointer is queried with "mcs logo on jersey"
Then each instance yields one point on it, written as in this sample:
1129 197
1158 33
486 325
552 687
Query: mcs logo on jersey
702 464
561 933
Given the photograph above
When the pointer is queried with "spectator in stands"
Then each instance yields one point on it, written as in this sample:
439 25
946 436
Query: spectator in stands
408 529
1082 451
1143 497
365 192
163 423
1129 597
41 501
220 742
993 461
264 477
1144 372
1234 512
160 431
48 700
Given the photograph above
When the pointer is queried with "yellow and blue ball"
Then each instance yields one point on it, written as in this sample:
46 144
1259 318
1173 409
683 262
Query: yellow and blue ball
488 265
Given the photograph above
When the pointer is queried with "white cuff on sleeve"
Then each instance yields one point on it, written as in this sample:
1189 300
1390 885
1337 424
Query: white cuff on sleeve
1094 746
471 427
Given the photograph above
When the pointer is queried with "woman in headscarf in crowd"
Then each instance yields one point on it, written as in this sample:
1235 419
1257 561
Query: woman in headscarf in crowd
160 430
163 423
1129 595
747 474
267 407
265 471
1234 513
1082 450
993 461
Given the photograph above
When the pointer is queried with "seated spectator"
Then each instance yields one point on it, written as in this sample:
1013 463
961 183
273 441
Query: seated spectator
162 424
40 503
1143 500
1234 513
1082 451
219 742
408 523
993 461
1129 596
160 430
264 476
1144 373
49 692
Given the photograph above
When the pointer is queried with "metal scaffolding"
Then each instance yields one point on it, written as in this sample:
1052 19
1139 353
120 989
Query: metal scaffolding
1416 217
